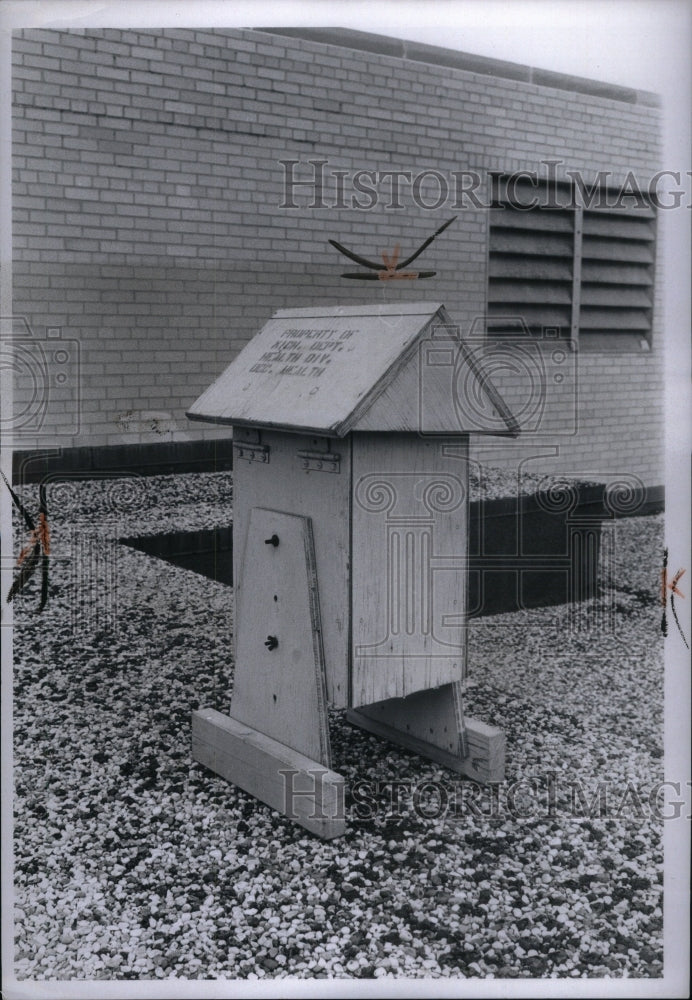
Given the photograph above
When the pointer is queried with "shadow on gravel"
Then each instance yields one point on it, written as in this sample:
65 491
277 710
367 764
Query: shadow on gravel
520 556
207 551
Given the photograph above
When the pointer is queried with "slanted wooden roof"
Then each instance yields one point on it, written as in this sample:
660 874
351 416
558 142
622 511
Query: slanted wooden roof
333 369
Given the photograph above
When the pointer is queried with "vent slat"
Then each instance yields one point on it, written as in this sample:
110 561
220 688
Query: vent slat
530 291
627 252
613 319
535 221
618 228
640 211
537 331
615 274
540 314
534 243
533 269
617 295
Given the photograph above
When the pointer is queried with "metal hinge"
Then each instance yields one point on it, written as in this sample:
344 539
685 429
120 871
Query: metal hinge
252 452
320 461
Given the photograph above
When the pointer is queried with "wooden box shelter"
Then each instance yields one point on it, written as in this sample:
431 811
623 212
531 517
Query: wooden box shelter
351 427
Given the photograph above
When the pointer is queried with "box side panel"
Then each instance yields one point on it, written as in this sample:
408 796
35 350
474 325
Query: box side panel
409 583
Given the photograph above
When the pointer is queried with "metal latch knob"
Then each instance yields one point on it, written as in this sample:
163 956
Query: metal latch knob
274 540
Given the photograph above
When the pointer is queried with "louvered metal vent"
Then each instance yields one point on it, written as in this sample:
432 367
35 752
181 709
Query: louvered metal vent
530 272
617 271
571 271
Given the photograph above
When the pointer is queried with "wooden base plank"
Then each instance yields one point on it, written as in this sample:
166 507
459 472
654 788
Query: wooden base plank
484 762
293 784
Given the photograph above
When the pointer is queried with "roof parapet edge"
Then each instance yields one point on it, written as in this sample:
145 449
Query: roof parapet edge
435 55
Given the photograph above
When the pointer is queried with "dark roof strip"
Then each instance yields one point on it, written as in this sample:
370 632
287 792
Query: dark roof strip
399 48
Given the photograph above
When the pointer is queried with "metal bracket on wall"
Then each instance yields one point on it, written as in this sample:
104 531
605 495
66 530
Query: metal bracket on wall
320 461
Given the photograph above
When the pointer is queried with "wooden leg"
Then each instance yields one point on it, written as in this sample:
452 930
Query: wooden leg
275 743
429 723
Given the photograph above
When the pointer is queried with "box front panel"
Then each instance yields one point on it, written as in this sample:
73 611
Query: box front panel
310 476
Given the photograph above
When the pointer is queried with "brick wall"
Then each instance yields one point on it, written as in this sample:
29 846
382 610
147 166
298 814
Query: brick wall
149 237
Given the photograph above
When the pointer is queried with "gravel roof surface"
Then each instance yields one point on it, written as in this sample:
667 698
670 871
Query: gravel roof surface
134 862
